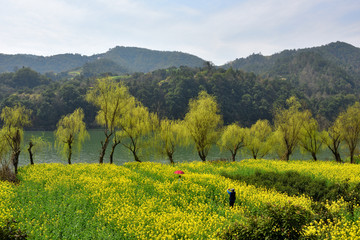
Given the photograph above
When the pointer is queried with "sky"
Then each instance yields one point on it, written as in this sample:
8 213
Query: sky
214 30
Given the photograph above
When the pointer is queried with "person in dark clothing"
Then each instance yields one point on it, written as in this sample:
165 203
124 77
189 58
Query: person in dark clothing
232 198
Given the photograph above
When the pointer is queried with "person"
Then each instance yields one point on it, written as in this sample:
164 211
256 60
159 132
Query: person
232 197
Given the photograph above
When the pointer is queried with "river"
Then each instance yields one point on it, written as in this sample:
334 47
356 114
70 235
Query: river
90 152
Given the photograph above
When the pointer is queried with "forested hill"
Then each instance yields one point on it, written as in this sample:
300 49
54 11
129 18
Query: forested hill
242 97
117 60
318 69
325 79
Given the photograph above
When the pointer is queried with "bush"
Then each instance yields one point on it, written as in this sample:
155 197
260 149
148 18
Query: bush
11 232
6 174
276 222
293 183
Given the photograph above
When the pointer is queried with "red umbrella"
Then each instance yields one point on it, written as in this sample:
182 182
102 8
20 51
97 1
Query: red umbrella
179 172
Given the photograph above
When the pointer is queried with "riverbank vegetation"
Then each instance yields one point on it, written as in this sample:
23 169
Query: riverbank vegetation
127 122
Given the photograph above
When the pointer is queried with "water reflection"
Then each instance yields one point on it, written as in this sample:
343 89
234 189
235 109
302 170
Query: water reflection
91 150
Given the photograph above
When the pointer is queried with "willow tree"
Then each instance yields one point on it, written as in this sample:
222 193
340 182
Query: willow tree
332 138
350 128
135 129
71 130
14 119
36 144
111 98
311 138
233 139
169 137
259 140
288 124
203 122
5 172
4 149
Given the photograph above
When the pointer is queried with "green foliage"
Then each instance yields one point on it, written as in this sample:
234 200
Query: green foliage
14 119
113 101
111 98
144 60
259 140
103 66
135 128
71 129
329 69
242 97
333 138
169 136
275 222
310 137
296 184
232 139
288 125
202 122
350 128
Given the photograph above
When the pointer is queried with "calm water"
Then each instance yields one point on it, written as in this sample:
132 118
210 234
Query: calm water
91 150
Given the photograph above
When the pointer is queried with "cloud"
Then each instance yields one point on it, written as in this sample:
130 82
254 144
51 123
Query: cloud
215 30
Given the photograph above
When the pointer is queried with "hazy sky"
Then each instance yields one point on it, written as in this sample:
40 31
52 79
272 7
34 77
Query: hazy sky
215 30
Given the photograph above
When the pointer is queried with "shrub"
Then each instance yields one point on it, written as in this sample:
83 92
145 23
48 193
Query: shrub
294 183
6 174
11 232
276 222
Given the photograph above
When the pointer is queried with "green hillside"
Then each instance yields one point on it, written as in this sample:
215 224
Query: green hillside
321 70
119 60
144 60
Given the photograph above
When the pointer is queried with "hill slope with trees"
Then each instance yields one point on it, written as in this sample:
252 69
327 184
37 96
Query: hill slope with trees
320 71
123 59
324 79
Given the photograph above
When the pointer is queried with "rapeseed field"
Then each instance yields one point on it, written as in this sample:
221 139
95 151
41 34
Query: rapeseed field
148 201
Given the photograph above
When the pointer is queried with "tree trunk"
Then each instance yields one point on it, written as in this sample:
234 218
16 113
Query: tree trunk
352 151
352 156
30 153
202 156
70 153
135 156
286 156
15 160
16 151
233 155
337 157
113 151
336 153
314 156
170 156
103 148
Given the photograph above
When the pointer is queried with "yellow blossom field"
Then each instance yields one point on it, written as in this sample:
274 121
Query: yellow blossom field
148 201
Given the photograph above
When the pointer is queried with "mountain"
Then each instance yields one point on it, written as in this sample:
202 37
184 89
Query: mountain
56 63
121 59
329 69
144 60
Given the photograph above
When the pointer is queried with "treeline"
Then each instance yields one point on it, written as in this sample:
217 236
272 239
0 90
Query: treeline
126 121
242 97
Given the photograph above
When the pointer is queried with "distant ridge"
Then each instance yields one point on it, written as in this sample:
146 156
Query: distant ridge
324 68
132 59
338 59
340 53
